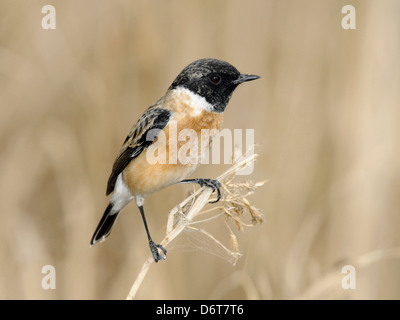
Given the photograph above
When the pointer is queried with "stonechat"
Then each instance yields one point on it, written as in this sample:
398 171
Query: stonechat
195 100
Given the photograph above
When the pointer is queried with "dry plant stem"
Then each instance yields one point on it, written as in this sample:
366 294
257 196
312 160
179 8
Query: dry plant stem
200 199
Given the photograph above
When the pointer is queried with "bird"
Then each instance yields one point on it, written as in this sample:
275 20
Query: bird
195 100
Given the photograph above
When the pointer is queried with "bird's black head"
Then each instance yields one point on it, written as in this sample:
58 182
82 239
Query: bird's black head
215 80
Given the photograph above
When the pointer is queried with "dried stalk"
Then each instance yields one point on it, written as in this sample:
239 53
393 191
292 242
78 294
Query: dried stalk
183 215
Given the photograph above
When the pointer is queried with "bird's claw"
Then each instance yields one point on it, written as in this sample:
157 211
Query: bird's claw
213 184
155 250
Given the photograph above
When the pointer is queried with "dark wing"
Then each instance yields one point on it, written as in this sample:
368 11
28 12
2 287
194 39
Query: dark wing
142 135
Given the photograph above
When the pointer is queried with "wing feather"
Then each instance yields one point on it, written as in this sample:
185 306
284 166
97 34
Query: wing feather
154 119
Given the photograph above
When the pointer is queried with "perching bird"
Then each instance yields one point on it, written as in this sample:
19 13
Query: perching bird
196 100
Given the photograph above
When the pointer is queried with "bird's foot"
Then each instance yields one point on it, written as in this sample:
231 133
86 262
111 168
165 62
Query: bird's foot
155 250
213 184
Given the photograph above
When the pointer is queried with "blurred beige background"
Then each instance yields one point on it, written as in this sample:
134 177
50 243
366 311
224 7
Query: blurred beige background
326 118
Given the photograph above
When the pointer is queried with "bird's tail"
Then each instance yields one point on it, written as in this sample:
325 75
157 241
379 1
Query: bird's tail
103 230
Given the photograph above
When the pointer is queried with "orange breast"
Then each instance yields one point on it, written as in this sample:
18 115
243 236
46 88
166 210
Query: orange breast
180 140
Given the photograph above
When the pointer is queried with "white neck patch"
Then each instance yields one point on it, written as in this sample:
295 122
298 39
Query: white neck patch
193 100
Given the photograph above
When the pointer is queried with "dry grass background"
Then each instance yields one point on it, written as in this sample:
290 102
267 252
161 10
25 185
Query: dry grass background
325 114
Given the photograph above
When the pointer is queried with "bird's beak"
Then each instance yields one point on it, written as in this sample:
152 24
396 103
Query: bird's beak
245 77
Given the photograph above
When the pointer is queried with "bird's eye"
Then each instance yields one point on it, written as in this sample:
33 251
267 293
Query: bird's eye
216 79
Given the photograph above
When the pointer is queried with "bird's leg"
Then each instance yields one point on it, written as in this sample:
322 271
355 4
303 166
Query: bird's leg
153 246
211 183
